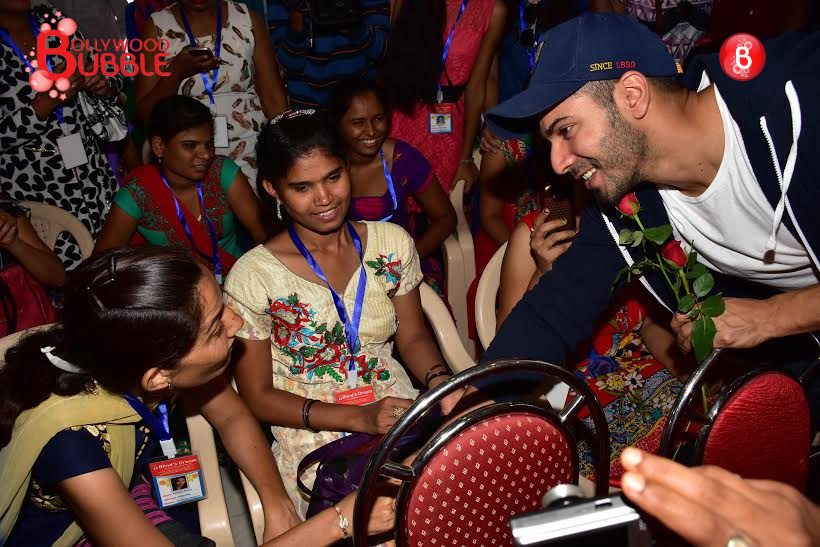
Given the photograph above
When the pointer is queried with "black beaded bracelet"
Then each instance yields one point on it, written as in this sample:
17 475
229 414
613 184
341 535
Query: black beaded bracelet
431 369
306 414
436 375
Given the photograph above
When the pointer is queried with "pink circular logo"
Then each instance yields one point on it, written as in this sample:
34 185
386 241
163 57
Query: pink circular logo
742 56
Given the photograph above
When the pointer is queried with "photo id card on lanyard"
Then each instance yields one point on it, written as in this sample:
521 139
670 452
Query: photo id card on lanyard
177 478
214 259
351 323
440 119
70 144
220 122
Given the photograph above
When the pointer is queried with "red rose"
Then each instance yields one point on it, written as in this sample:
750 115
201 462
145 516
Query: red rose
629 205
674 254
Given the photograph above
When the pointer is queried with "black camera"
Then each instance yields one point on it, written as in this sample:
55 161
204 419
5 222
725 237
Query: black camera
569 519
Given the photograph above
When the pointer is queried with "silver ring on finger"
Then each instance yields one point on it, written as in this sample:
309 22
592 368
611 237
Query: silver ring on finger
738 540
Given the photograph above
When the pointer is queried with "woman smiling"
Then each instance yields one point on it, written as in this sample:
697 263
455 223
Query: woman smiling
191 198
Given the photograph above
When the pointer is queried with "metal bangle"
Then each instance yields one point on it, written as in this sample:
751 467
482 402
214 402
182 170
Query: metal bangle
306 414
430 370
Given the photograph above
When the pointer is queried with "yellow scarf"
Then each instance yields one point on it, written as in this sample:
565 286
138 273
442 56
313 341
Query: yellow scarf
35 427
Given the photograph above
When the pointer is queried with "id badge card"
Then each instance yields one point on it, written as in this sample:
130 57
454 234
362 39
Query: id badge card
220 132
358 396
177 480
441 119
72 150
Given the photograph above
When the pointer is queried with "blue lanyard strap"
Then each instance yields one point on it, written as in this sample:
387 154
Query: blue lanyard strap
390 188
157 425
36 31
447 47
351 326
214 240
209 86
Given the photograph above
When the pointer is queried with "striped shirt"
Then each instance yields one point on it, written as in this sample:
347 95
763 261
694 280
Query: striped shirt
311 72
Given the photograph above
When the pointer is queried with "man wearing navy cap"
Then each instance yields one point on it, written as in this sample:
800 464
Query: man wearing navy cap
734 166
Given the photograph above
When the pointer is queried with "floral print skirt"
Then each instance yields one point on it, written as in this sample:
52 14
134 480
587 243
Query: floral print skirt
634 389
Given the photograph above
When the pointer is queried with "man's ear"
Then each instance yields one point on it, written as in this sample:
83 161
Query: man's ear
155 379
633 94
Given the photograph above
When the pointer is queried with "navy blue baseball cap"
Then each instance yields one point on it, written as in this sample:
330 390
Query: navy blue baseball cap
593 46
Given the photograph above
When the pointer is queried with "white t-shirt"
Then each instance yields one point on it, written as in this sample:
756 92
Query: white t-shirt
730 223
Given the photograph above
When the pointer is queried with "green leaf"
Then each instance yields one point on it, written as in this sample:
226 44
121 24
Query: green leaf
307 351
703 285
658 234
696 270
625 236
687 303
703 336
691 258
713 306
638 238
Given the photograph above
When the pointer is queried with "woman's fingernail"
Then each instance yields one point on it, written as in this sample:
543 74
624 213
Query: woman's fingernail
631 457
633 482
546 210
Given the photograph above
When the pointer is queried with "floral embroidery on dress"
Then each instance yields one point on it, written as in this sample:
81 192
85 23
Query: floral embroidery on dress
388 267
315 348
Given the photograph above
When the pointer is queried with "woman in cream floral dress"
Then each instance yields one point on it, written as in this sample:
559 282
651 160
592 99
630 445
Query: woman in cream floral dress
248 89
294 343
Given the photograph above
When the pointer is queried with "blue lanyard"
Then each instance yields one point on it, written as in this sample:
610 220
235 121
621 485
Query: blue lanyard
157 425
209 86
530 52
439 95
351 326
6 38
390 188
214 240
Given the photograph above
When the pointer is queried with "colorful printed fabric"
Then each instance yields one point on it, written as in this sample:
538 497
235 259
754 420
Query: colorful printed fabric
682 37
309 353
634 389
146 198
235 90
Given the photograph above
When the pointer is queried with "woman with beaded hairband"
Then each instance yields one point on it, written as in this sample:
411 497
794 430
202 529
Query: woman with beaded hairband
323 303
84 407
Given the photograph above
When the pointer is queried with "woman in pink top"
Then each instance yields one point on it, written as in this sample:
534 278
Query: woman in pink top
438 109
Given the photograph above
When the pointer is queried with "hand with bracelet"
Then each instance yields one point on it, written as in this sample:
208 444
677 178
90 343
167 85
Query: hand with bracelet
436 375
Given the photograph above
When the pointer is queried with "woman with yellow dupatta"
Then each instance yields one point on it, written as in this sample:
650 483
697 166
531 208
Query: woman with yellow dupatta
83 409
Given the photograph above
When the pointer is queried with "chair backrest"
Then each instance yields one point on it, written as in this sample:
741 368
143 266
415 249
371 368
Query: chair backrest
50 221
464 237
445 330
491 463
486 296
761 430
497 468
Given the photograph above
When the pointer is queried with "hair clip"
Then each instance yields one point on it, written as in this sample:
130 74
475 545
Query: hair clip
60 363
94 297
290 114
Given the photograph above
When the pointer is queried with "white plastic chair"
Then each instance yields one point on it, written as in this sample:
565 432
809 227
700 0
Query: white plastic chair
457 294
486 297
213 511
50 221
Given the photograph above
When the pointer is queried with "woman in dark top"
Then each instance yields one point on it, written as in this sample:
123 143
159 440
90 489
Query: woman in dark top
140 326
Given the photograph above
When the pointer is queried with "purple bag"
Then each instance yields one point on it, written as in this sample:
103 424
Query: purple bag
342 462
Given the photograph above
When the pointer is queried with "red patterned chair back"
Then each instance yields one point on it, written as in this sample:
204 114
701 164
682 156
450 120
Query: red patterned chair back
499 467
762 431
494 462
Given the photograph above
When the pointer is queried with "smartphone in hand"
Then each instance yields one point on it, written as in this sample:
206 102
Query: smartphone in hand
557 198
199 50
